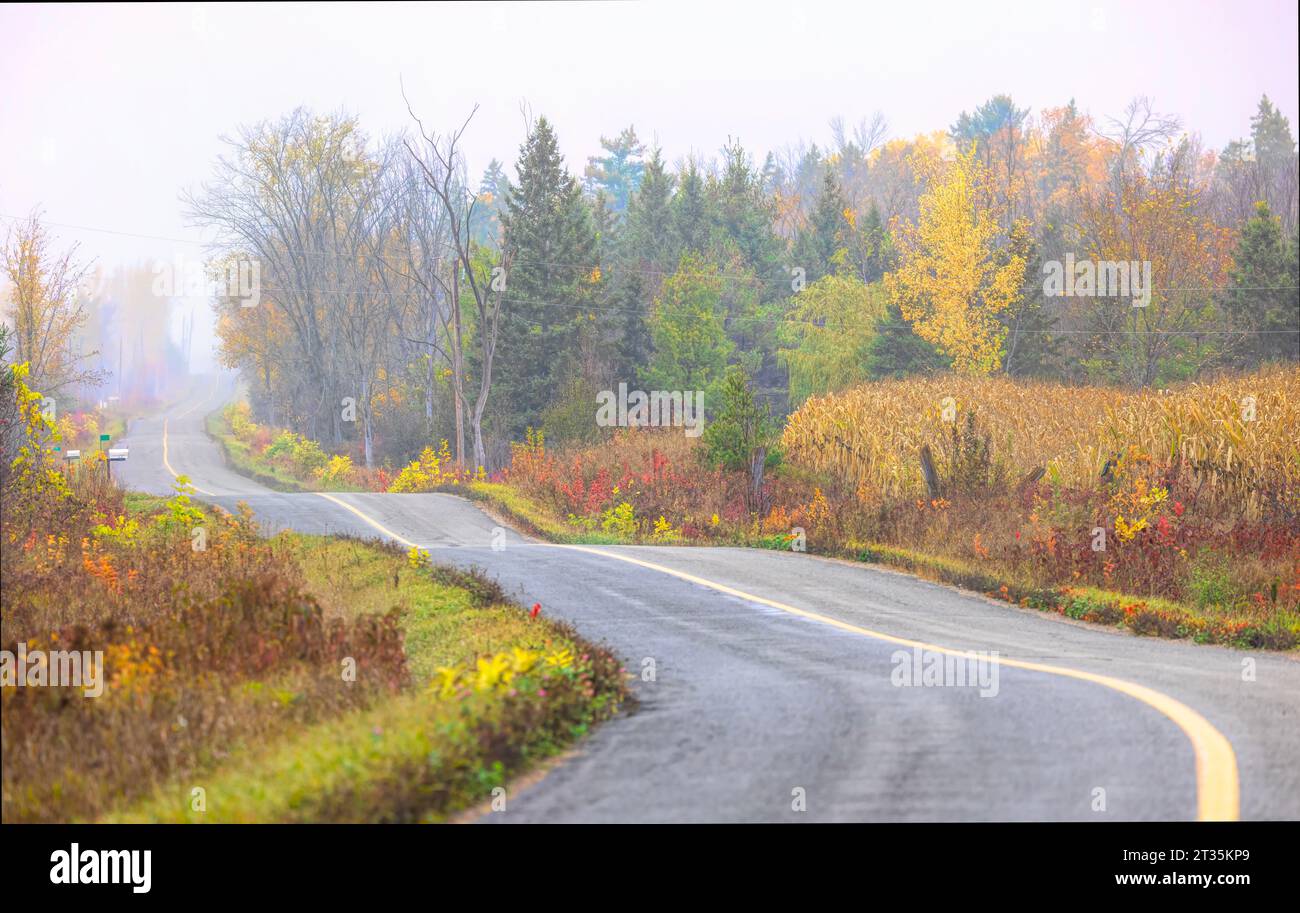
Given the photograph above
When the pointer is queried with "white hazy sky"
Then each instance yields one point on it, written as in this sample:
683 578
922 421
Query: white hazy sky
107 112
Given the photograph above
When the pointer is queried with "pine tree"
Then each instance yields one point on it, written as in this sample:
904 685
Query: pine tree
1261 304
826 232
687 325
633 345
605 224
649 238
690 211
879 246
743 215
1033 347
551 240
1275 160
485 225
619 171
741 434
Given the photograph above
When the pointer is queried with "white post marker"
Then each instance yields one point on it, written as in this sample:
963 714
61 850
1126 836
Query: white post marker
115 455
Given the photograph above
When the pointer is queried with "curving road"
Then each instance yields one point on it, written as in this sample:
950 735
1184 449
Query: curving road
775 679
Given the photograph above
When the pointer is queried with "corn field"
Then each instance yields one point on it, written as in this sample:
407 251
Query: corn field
1238 437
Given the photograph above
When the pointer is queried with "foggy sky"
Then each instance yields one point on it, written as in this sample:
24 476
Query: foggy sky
107 112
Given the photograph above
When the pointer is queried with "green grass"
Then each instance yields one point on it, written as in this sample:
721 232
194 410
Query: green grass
1148 615
533 517
1145 615
412 757
240 457
139 504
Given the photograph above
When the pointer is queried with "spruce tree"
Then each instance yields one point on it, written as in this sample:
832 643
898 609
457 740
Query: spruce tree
826 231
551 242
649 237
633 346
690 211
1261 306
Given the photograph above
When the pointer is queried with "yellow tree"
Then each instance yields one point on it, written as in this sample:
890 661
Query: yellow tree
45 309
955 276
1155 223
253 340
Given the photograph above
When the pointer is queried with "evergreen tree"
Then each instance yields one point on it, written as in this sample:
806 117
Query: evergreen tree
604 222
1033 347
826 231
690 211
485 227
618 173
551 241
772 175
633 344
741 434
1261 304
649 238
687 326
743 215
879 245
895 351
1275 158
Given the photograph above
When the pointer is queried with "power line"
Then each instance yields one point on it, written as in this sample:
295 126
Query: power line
587 269
821 324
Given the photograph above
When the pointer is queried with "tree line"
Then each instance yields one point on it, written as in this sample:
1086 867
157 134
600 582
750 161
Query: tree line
398 292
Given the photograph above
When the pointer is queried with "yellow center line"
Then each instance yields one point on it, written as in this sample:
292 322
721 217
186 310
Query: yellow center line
175 474
1218 790
201 402
375 523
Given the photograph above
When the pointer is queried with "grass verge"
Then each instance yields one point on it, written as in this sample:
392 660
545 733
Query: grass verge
1150 616
1142 615
529 516
302 678
240 458
492 693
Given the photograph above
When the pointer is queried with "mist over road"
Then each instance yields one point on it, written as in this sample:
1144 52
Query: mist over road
753 700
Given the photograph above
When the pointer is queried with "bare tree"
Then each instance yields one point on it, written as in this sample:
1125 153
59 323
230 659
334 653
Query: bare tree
423 264
1133 135
441 165
296 195
368 308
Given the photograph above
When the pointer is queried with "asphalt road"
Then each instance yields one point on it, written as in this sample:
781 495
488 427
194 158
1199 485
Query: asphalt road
767 680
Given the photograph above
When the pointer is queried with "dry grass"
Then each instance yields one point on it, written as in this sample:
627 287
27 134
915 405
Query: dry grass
1238 434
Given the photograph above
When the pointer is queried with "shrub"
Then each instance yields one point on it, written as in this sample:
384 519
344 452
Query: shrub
1211 583
620 520
336 470
432 470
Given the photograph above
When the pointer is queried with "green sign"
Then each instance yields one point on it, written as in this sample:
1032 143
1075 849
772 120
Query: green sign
103 437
